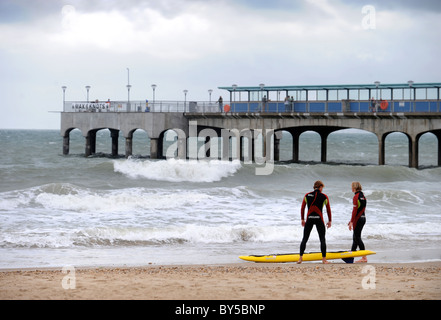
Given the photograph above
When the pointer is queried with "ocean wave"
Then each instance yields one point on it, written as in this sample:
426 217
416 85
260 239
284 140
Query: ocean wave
368 173
123 201
173 170
67 203
222 234
222 200
117 236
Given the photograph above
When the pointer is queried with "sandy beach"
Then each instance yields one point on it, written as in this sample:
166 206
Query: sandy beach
227 282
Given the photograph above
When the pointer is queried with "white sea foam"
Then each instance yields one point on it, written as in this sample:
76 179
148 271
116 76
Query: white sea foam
109 236
116 232
178 170
128 200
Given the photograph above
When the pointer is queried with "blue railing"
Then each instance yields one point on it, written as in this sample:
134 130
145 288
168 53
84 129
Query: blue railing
337 106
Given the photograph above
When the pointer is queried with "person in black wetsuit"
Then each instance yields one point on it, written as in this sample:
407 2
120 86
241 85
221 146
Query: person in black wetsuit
315 201
358 218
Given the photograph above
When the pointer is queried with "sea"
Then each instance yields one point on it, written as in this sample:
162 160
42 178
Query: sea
70 210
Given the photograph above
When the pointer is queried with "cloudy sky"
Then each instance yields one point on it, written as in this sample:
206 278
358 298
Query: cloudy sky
203 44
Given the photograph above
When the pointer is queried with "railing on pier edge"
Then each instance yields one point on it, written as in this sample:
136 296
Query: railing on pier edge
353 106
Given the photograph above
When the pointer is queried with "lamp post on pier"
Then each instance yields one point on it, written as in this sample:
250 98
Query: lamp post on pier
410 83
262 85
128 97
128 86
64 95
377 84
185 99
154 87
87 89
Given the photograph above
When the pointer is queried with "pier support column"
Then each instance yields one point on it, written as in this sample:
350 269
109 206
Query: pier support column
295 146
129 143
277 138
249 135
381 149
324 147
154 153
114 134
187 155
208 151
182 147
207 147
92 142
252 148
438 136
439 149
278 135
413 152
161 147
88 149
265 151
66 143
226 141
241 148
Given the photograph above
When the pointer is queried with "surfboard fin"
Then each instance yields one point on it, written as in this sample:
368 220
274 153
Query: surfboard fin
348 260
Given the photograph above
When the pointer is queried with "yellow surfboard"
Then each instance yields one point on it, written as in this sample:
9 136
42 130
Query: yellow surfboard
347 256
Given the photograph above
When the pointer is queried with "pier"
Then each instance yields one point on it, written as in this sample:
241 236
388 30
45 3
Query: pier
251 112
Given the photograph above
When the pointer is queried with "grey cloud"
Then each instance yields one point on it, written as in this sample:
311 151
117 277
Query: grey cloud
399 5
16 11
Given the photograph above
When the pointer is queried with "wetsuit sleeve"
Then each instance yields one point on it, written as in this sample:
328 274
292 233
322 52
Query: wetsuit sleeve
354 208
328 209
302 210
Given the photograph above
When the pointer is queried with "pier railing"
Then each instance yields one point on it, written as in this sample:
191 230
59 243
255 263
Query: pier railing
141 106
353 106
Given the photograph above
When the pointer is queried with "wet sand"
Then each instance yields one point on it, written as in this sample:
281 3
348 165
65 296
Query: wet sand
242 281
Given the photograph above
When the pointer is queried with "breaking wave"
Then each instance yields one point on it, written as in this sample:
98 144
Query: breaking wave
173 170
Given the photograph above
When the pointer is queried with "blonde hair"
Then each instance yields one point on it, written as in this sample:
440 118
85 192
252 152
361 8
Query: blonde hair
318 184
356 185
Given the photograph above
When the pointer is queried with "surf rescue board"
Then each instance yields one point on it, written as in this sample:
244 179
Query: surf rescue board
347 256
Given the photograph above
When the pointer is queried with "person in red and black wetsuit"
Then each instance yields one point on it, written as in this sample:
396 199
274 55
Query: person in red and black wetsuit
358 218
315 201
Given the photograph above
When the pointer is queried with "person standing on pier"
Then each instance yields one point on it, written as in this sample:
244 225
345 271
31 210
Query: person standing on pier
315 201
358 218
287 103
264 102
221 103
373 106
